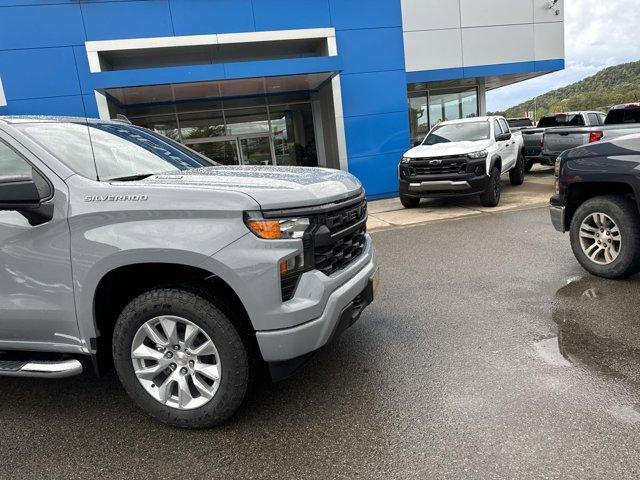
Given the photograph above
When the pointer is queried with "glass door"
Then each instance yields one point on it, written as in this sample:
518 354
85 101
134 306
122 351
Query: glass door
223 150
256 150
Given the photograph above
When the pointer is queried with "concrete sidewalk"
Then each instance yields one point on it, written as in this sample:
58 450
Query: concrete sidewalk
536 190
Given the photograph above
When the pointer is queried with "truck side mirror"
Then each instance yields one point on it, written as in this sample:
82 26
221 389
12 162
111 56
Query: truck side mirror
503 137
20 194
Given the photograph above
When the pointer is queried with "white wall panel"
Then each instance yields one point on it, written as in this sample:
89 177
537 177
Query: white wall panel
491 45
542 12
477 13
432 49
549 41
430 14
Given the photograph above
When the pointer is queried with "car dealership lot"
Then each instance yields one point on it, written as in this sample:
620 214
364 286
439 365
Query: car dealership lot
456 371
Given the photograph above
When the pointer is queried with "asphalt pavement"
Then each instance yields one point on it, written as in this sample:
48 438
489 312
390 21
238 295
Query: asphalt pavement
488 354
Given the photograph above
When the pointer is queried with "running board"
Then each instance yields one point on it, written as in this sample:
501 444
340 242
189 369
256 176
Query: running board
40 368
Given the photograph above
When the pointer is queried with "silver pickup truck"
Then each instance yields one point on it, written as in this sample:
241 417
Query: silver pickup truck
120 247
621 120
533 136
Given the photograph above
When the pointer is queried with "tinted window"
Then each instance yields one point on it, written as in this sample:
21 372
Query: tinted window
458 132
503 124
623 115
561 120
12 164
106 151
519 122
497 128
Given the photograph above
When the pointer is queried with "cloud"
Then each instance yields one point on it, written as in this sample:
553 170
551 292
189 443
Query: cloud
598 34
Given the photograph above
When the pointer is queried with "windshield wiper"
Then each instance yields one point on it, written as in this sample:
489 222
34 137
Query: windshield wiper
131 178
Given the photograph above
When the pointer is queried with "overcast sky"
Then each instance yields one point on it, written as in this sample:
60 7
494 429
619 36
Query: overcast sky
598 34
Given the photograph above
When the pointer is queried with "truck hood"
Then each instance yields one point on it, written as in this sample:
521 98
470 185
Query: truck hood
446 149
271 187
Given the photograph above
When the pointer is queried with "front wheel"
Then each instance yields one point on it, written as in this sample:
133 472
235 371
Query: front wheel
180 358
491 196
409 202
605 235
516 174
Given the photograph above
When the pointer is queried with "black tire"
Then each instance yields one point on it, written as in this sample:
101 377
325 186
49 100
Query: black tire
516 174
624 213
409 202
491 196
528 165
215 320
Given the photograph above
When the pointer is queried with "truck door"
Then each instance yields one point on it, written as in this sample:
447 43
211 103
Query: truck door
501 145
37 310
511 147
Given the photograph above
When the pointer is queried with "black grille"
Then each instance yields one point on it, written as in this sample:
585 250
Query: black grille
438 166
340 254
336 238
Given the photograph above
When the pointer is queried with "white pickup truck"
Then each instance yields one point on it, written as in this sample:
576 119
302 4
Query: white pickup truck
461 158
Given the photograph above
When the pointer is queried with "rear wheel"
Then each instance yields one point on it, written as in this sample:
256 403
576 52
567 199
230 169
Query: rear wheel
409 202
516 174
180 358
491 196
605 236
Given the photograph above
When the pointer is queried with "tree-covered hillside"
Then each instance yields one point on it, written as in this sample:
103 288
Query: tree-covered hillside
610 86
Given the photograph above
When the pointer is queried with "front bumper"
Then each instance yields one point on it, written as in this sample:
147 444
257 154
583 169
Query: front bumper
557 217
438 186
342 308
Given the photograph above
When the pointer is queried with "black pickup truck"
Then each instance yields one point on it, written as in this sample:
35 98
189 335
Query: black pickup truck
597 201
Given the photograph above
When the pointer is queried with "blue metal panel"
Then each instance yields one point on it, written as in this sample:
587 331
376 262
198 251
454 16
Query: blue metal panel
90 106
45 106
371 50
500 69
549 65
371 93
196 17
138 19
376 134
291 14
435 75
378 174
44 72
40 26
350 14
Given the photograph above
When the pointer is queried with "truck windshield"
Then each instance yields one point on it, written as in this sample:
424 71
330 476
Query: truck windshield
458 132
623 115
561 120
110 151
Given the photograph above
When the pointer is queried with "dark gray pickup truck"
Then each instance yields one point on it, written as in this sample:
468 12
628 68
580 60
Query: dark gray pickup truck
533 136
621 120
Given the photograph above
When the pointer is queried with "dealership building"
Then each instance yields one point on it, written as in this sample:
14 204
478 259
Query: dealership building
347 84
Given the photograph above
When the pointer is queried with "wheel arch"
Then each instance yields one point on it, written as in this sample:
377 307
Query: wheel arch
580 192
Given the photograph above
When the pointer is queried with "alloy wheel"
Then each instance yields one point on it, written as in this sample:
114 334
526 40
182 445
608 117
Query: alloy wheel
176 362
600 238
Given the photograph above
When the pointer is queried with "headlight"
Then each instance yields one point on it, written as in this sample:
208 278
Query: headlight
405 160
276 228
480 154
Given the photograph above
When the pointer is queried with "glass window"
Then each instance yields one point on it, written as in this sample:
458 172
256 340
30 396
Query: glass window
418 118
561 120
244 121
12 164
593 119
107 151
503 124
623 115
164 125
458 132
497 129
201 125
294 137
431 107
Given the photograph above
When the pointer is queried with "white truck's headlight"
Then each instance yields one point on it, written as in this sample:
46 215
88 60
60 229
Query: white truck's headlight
276 228
405 160
478 154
